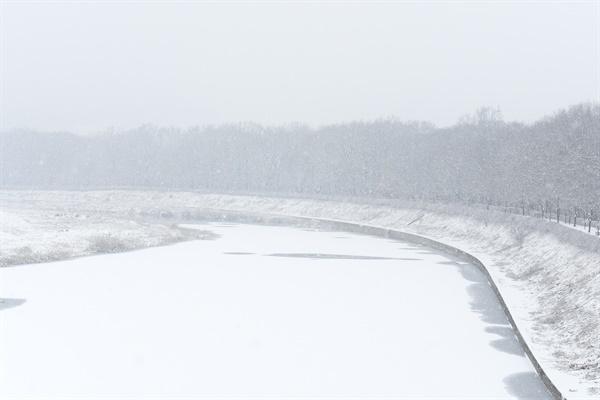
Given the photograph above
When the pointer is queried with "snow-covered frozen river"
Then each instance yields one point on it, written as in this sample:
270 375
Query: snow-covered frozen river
259 311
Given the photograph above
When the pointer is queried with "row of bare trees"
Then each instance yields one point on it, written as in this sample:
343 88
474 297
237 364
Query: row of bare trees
550 168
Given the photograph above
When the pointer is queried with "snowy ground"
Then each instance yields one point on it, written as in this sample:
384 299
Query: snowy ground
549 274
41 235
260 312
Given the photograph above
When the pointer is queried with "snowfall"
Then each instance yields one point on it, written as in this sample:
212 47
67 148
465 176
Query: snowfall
251 311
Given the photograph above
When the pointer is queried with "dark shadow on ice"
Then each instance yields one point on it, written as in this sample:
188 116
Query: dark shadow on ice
239 253
317 256
449 262
408 246
483 300
526 386
427 252
10 303
508 342
470 273
485 303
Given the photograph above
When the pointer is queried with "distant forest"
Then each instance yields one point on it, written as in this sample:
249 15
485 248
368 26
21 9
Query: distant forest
550 168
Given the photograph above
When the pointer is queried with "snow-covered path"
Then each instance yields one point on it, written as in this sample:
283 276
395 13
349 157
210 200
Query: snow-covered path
259 312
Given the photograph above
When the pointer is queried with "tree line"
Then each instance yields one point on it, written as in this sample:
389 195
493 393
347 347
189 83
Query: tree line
549 168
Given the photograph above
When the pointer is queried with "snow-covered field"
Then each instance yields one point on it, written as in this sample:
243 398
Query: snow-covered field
260 312
41 235
549 275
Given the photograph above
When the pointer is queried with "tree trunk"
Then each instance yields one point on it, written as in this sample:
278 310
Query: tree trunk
542 207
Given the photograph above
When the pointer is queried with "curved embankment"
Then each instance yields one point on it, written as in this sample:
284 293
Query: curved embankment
407 237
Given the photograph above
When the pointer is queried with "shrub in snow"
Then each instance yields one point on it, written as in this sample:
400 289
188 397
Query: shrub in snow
106 243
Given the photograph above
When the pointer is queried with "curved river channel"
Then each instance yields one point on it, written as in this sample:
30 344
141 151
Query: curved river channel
260 312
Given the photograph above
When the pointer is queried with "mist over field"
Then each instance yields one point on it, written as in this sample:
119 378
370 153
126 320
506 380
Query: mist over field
549 168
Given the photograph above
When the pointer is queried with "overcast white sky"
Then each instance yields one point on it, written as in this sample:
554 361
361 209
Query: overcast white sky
86 66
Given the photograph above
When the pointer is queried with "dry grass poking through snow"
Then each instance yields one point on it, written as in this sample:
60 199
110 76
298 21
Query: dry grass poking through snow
42 235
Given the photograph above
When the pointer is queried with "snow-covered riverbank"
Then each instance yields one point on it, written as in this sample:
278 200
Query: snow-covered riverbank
42 235
550 275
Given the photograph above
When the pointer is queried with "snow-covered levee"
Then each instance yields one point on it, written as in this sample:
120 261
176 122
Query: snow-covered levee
547 274
261 312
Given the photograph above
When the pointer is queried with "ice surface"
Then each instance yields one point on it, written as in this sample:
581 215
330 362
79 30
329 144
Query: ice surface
225 318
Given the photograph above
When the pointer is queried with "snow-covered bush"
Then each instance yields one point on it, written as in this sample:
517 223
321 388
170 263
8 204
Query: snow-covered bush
107 243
